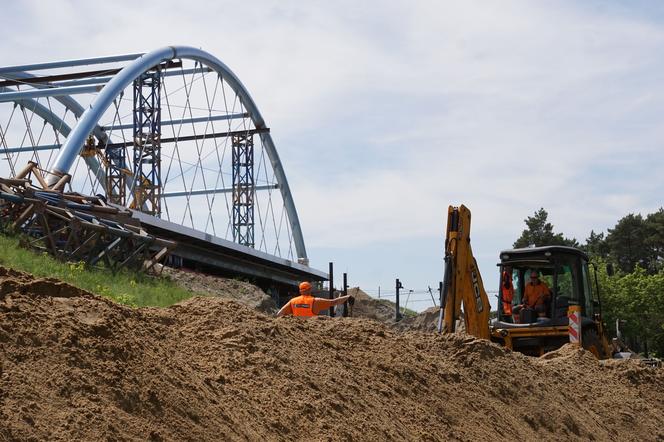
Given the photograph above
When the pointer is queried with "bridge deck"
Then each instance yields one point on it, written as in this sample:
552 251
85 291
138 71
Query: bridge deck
203 248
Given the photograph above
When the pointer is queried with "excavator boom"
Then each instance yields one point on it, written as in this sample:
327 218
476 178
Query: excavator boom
462 282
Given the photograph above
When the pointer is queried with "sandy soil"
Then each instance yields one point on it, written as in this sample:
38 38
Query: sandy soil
241 291
74 366
383 311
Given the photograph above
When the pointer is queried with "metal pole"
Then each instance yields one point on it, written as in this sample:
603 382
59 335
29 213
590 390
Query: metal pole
398 313
441 308
345 289
331 294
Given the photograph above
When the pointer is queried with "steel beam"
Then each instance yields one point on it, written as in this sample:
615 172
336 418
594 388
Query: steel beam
96 80
106 79
183 121
130 126
69 63
50 92
30 149
212 191
48 80
195 137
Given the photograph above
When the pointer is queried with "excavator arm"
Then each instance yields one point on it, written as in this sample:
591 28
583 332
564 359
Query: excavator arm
462 282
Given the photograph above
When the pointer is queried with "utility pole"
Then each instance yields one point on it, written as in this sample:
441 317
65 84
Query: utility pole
398 313
331 295
345 289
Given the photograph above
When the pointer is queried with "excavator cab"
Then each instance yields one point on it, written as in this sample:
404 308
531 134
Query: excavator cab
565 273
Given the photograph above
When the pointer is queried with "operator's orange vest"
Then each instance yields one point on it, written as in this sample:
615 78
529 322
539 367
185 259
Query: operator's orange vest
303 305
508 294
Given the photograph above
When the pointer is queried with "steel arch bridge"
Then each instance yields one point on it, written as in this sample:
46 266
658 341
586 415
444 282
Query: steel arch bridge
172 134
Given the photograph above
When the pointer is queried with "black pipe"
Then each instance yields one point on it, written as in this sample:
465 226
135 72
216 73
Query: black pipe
398 313
331 294
345 289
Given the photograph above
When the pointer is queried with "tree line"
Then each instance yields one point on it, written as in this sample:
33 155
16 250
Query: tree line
635 293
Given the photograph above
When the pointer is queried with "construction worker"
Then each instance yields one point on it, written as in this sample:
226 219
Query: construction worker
307 305
536 295
507 292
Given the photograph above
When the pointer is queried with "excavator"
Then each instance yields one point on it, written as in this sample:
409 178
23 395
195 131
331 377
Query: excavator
563 270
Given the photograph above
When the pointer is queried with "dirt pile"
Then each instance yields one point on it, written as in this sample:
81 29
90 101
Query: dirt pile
424 321
365 306
74 366
383 311
240 291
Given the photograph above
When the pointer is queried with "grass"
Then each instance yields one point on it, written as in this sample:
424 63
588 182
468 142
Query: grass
133 289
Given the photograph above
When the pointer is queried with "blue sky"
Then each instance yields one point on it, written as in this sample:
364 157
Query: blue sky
386 112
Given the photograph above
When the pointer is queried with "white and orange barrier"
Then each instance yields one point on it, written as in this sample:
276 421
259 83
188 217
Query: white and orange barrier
574 328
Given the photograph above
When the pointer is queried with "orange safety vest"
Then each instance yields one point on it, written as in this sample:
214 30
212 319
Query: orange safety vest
536 294
508 293
303 305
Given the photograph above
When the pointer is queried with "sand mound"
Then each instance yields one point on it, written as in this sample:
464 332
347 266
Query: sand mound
383 311
74 366
240 291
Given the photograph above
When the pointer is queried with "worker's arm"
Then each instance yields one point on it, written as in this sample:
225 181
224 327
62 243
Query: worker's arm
321 304
285 310
341 299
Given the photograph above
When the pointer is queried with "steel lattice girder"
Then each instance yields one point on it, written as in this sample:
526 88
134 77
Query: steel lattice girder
77 228
243 189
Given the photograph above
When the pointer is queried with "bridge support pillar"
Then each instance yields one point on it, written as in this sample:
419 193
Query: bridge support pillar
147 143
243 189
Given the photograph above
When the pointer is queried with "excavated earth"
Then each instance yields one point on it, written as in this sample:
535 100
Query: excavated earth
74 366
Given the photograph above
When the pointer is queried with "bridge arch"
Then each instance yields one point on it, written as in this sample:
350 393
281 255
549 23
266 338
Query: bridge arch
89 121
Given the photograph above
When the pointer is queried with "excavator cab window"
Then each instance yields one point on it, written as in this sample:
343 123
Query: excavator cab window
563 290
521 277
566 278
588 295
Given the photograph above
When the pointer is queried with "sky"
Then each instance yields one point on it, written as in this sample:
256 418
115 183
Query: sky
386 112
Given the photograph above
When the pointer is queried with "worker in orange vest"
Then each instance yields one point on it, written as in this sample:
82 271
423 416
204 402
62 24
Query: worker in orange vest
536 296
306 305
507 291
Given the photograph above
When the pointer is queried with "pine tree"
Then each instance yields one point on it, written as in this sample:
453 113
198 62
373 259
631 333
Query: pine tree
540 233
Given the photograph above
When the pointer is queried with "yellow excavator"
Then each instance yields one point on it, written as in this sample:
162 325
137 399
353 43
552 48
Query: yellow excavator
563 270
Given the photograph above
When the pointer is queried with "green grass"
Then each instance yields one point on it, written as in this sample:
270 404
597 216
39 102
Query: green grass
133 289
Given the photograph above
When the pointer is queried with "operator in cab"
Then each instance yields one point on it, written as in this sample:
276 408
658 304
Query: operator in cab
507 291
307 305
536 296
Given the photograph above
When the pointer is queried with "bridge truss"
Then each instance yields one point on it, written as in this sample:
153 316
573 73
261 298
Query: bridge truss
171 134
